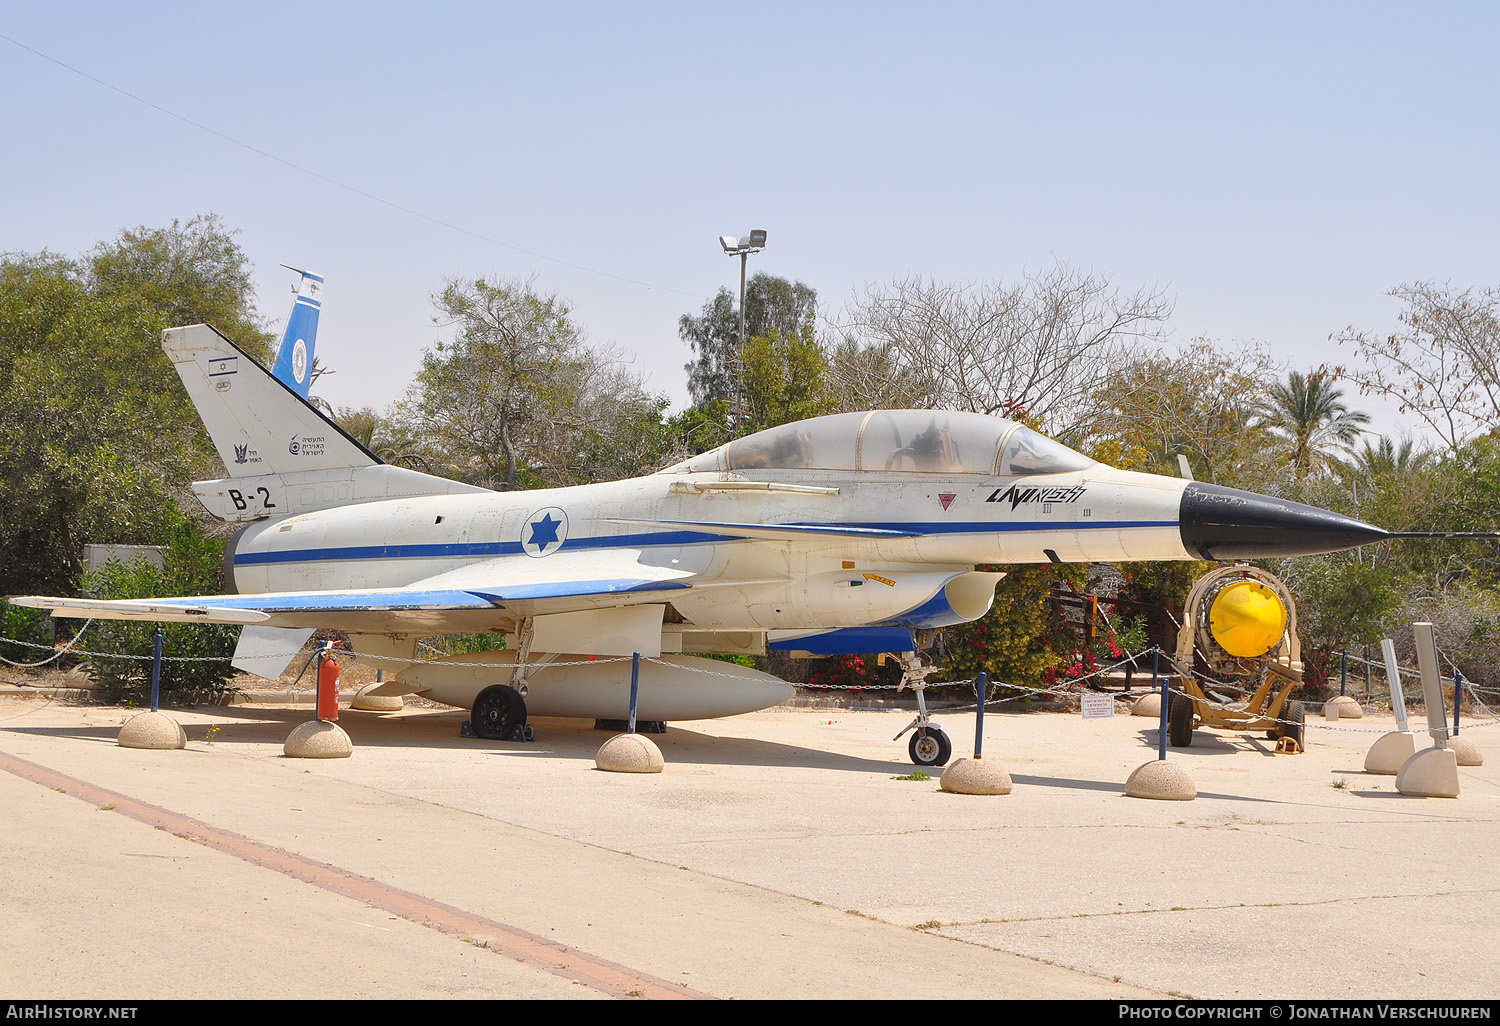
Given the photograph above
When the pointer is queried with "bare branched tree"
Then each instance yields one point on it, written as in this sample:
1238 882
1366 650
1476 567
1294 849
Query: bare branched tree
1039 347
873 377
1442 363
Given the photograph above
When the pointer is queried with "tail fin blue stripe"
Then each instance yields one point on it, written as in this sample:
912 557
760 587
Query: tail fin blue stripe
294 357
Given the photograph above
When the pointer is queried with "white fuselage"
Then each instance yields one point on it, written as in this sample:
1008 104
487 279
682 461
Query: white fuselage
795 582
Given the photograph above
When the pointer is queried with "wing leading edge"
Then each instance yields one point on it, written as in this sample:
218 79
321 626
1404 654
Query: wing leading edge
436 610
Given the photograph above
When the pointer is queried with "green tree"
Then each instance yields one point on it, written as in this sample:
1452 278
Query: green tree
1395 485
1200 402
772 305
200 652
1308 414
387 437
1343 602
193 273
96 432
1467 499
1021 639
785 379
517 397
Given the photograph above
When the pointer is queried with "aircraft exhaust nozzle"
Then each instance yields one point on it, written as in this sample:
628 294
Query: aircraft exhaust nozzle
1226 523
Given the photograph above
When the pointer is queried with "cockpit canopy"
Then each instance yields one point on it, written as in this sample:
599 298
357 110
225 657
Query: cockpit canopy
894 441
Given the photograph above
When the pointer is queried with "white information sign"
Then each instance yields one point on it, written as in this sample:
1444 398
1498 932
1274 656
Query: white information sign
1096 707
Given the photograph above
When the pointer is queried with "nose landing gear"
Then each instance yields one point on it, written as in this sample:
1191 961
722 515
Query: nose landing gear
930 745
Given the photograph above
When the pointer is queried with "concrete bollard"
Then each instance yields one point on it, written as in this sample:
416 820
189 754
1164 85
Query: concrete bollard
1342 707
318 739
629 753
975 776
155 730
1161 780
1390 752
367 702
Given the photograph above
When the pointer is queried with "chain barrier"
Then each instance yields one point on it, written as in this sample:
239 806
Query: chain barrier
1060 690
279 655
59 653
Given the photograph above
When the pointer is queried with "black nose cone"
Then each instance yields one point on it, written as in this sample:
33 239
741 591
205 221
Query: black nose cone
1226 523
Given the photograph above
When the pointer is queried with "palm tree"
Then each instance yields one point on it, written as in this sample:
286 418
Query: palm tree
1307 414
1388 458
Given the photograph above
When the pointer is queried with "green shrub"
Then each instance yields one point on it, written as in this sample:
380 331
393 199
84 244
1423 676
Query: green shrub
191 568
27 625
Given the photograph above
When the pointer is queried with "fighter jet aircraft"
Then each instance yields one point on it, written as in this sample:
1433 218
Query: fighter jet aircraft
857 532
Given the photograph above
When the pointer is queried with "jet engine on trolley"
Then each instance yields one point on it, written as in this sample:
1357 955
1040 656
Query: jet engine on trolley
1239 632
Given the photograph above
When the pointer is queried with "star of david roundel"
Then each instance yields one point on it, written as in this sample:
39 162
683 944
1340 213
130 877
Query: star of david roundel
544 532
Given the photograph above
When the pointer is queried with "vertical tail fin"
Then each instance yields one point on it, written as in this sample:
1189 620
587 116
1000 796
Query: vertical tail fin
283 456
294 357
258 424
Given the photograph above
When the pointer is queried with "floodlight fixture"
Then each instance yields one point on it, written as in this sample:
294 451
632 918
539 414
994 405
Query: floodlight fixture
745 244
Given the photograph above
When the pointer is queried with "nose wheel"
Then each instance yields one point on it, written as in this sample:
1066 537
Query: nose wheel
930 746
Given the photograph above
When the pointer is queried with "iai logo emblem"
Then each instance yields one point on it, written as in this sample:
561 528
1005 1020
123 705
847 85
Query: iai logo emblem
544 532
299 360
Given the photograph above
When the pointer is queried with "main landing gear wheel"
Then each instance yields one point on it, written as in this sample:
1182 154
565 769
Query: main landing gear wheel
930 746
498 712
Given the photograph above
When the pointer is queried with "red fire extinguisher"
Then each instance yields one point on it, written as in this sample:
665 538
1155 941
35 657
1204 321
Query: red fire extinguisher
328 684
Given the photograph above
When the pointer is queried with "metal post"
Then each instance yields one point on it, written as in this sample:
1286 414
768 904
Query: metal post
1367 673
1343 673
155 670
1166 699
635 688
744 259
738 412
1432 684
1393 675
1458 696
982 690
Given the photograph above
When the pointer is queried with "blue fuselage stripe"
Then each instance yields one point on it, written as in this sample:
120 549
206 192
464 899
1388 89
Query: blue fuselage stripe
660 539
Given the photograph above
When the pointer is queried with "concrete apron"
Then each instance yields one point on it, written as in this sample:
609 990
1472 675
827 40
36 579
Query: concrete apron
775 856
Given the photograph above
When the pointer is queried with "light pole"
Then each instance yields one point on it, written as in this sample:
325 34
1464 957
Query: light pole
741 247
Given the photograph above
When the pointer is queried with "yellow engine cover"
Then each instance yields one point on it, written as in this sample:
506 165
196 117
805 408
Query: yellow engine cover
1247 619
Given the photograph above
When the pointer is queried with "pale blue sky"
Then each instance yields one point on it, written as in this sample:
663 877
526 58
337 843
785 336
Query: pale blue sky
1277 167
